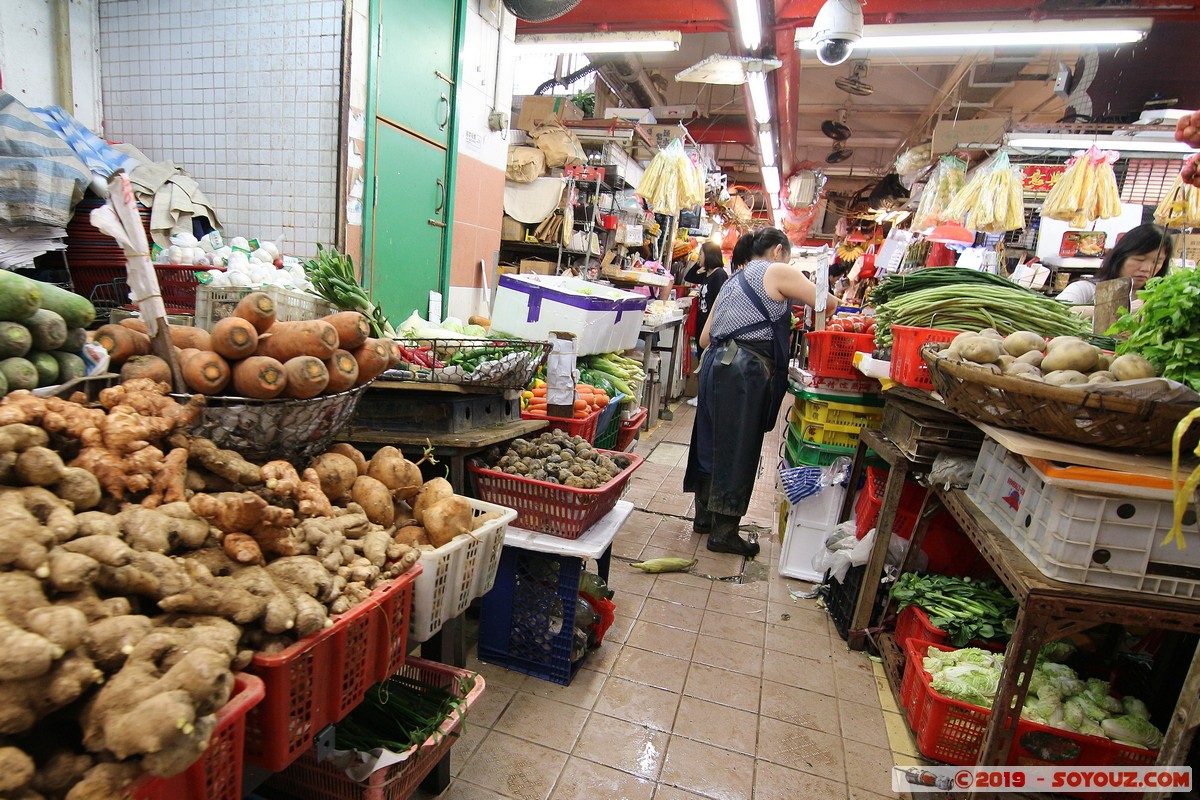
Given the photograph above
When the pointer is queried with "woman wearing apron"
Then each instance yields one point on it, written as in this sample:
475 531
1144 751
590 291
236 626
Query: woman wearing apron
743 379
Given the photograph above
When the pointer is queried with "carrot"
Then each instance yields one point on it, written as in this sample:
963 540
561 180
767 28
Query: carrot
286 340
373 358
343 371
135 324
306 377
234 338
151 367
539 391
258 309
122 343
352 328
601 400
204 371
259 377
397 355
582 405
185 336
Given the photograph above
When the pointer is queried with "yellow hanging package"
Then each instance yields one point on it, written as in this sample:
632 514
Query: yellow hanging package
947 180
993 200
1087 190
1180 207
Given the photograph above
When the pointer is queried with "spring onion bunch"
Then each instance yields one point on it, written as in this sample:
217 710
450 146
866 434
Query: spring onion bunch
332 276
964 608
401 713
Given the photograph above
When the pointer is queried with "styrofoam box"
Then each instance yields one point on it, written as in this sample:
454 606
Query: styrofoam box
1105 536
458 572
603 319
809 522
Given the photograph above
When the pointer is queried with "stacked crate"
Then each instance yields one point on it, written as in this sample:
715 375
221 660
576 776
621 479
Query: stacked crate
824 424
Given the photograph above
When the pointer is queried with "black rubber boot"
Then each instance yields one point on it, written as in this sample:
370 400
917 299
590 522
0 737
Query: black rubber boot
724 537
702 520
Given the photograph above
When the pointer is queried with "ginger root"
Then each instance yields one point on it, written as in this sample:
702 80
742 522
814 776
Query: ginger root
225 463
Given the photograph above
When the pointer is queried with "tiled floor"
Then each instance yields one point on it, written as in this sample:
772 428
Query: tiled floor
702 688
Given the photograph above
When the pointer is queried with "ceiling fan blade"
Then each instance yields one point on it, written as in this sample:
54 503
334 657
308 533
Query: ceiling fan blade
838 156
837 131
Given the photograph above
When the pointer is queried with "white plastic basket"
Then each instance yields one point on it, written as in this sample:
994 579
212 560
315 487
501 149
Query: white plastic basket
458 572
1103 536
1005 489
214 303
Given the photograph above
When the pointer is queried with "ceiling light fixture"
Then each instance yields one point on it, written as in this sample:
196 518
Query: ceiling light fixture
1123 144
771 180
766 147
749 23
603 42
757 82
965 36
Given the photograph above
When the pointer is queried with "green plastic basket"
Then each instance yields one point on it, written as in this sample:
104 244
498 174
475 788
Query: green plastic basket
609 424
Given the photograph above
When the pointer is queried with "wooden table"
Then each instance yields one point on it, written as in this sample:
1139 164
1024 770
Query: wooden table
1050 610
454 448
900 467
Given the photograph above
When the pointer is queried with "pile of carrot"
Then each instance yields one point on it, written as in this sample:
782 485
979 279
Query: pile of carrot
255 355
588 399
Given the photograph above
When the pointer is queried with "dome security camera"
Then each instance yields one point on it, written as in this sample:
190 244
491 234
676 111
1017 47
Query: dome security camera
839 24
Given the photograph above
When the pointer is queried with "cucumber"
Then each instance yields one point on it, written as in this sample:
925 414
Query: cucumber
19 373
19 296
15 339
76 309
47 368
76 339
48 329
70 366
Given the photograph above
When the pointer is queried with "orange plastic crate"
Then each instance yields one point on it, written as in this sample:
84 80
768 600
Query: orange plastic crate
908 368
629 428
320 678
218 773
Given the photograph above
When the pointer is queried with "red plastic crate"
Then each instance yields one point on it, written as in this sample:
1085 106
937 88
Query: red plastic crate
320 678
176 282
218 773
629 428
870 502
908 368
831 353
951 731
550 507
585 427
913 623
309 780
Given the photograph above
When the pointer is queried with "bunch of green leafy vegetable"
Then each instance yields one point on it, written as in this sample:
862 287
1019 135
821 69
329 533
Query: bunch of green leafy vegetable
1057 696
1166 330
964 608
400 713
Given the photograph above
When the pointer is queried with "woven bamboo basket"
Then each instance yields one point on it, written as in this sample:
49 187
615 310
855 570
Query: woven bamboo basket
1071 413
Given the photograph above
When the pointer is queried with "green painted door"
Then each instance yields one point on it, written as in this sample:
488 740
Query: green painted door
409 225
416 65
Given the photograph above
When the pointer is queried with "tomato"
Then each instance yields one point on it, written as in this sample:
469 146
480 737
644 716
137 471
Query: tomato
859 326
835 325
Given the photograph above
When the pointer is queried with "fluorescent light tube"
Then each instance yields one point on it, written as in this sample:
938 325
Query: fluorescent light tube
771 180
1122 144
749 23
1017 33
774 199
604 42
757 82
766 147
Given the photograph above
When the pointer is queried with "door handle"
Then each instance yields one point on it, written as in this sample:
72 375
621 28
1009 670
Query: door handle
446 120
437 223
441 203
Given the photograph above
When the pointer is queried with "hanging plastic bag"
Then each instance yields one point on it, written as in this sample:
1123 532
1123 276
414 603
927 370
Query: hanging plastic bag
1180 207
1087 190
993 200
947 180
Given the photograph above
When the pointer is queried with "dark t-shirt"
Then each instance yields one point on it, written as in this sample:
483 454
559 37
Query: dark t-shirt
710 287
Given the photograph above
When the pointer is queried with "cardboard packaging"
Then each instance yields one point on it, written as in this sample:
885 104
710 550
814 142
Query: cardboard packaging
536 266
536 109
511 230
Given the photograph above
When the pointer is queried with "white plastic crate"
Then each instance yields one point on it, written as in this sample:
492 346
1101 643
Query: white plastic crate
457 572
1105 535
214 303
808 523
1005 489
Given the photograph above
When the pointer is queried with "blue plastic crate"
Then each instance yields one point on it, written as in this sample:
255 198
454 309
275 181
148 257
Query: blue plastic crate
527 620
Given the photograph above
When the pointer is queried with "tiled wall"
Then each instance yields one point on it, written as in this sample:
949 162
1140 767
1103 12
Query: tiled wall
244 96
486 83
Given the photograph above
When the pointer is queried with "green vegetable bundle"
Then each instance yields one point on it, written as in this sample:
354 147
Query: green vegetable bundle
975 306
964 608
927 278
332 276
623 374
1166 330
400 713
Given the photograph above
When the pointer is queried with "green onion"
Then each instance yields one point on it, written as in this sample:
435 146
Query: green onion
401 713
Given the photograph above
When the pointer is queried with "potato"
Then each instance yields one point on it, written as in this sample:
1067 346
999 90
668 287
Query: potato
991 333
1077 356
1021 369
980 350
78 487
411 535
351 452
1065 377
958 342
375 499
1022 342
1105 360
1033 358
1004 361
401 476
434 490
1102 376
1059 341
446 518
39 466
337 473
1130 367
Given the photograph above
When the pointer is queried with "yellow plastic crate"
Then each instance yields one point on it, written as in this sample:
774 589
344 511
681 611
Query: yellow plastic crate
813 433
843 415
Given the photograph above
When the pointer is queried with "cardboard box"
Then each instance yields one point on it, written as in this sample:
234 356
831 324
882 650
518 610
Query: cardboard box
639 115
506 269
663 135
536 266
511 230
536 108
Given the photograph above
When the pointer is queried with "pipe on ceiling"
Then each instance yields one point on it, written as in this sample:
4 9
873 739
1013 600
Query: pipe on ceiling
787 79
629 70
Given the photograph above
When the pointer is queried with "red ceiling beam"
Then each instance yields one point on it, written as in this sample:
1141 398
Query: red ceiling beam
688 16
800 13
720 131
